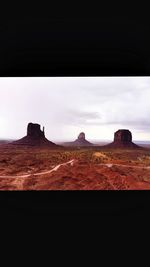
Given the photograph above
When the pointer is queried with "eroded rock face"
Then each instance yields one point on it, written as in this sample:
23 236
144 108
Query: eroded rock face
34 129
122 139
81 136
35 137
123 136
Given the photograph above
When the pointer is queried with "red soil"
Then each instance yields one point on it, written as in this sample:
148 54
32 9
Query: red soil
83 176
91 169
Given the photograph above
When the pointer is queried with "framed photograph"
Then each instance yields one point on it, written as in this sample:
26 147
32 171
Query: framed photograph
74 114
74 133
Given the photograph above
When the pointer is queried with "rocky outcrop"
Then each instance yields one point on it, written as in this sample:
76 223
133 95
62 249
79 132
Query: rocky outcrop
122 139
80 141
35 137
81 136
34 130
123 136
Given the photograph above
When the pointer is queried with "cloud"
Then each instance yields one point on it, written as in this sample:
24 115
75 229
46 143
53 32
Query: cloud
79 117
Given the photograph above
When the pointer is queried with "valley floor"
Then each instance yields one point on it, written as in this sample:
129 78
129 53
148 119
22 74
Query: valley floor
96 168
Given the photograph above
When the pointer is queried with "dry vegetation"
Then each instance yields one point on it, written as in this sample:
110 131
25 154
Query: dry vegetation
129 169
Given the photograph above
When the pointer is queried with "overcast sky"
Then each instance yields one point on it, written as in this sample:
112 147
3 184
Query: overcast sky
97 106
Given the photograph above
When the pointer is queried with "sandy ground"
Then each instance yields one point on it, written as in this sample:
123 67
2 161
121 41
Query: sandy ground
73 169
20 182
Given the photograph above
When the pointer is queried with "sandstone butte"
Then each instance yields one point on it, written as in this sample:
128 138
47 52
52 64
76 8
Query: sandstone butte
80 141
35 137
122 139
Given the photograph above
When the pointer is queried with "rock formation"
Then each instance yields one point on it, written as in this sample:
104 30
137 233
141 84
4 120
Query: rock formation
34 130
80 141
81 136
122 139
34 137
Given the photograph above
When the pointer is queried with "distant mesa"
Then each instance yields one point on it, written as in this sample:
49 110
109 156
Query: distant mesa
80 141
34 137
122 139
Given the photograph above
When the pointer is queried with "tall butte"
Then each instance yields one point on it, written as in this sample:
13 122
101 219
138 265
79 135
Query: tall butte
34 137
122 139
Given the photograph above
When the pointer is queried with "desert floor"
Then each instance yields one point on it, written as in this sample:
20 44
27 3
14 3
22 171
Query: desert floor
27 168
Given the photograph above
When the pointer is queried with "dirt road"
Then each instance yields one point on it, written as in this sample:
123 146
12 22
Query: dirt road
39 173
71 162
17 182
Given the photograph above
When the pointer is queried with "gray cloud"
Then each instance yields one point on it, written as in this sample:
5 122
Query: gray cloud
97 105
79 117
